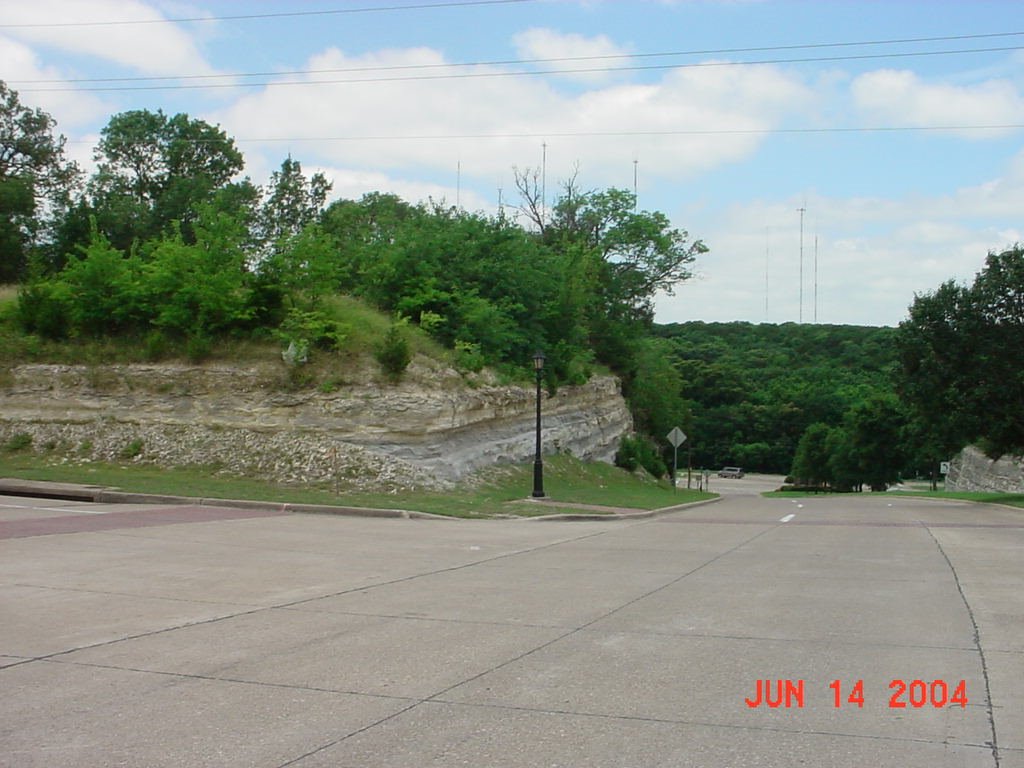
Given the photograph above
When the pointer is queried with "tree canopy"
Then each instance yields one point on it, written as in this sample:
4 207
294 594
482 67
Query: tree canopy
155 169
961 352
166 239
36 181
753 390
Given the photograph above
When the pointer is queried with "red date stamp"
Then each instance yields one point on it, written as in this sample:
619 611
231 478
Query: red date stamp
913 694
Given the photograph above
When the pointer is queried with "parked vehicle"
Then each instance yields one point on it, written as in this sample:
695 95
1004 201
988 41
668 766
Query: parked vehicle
730 472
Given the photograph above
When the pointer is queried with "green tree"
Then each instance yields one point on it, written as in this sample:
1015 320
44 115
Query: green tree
641 251
364 232
202 289
104 289
843 463
631 255
874 431
811 462
292 203
154 170
656 391
751 386
36 182
962 359
477 282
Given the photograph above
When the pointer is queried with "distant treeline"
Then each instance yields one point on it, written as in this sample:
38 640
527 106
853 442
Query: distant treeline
751 391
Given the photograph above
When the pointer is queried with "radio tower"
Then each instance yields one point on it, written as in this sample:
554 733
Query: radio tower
801 310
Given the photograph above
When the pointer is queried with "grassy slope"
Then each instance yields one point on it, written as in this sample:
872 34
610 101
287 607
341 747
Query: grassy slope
498 491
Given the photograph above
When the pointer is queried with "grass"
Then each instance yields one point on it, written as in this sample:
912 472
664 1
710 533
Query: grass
496 493
980 497
365 327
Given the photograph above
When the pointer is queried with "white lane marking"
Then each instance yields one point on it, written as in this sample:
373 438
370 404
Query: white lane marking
68 510
787 518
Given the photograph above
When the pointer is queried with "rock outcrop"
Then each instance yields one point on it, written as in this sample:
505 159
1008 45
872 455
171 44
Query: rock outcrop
430 430
972 470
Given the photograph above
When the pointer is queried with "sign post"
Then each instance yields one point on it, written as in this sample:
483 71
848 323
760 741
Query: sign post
676 437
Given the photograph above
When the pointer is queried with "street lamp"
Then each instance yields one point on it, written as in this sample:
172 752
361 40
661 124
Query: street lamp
538 465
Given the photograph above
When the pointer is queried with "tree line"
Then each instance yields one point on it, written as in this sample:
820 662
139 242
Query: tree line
845 407
167 241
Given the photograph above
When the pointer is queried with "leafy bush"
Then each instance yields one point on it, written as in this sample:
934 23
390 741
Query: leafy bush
468 356
638 451
19 442
154 346
43 308
132 449
393 354
431 321
104 289
311 329
198 347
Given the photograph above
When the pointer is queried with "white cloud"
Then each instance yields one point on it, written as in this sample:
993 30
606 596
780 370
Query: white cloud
494 123
874 254
149 48
349 184
22 70
901 97
588 52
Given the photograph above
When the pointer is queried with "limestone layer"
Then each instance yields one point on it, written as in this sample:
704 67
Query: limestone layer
429 430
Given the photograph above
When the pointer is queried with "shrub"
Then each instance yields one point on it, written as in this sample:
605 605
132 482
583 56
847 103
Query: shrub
43 308
155 346
311 329
468 356
18 442
393 354
637 451
132 449
198 347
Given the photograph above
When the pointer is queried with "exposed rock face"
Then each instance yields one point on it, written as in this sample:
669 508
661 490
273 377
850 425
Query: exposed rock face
427 431
972 470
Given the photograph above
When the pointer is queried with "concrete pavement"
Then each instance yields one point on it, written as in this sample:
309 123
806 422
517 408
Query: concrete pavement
230 639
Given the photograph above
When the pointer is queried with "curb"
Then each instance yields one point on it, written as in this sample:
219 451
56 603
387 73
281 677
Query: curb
617 516
101 495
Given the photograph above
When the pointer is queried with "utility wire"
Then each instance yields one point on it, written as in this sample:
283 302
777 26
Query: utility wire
555 60
525 73
252 16
613 134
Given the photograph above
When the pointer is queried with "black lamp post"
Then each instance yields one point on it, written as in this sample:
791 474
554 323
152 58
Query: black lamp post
538 465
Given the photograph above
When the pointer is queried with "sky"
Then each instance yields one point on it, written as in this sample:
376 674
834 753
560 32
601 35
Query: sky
837 158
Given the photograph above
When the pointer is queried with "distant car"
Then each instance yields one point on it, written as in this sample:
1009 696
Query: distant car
730 472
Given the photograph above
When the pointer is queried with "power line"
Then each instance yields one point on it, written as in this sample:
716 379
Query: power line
553 60
618 134
524 73
253 16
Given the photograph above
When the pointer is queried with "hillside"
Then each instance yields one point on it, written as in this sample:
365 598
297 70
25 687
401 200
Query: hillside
247 408
752 390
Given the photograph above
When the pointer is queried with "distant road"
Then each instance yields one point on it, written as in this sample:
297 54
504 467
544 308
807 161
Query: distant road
748 485
867 630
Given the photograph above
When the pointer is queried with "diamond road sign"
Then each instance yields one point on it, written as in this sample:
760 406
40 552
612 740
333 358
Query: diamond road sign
676 437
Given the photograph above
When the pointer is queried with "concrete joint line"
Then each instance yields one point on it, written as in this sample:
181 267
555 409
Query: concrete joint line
994 744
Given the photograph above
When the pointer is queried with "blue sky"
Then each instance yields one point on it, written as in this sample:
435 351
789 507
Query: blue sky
728 143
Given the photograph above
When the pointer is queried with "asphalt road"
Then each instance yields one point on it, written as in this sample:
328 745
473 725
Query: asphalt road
182 636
